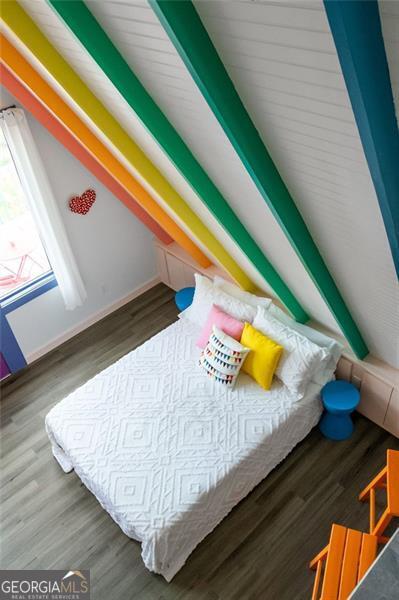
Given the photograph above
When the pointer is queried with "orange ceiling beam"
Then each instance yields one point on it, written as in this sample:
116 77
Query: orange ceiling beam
40 112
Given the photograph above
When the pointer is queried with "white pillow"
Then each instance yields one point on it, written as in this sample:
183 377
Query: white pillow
222 357
236 292
332 347
301 357
206 294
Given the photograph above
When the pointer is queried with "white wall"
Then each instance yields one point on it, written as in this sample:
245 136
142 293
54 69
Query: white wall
283 62
114 251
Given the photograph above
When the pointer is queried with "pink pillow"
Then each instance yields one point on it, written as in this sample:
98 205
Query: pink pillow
233 327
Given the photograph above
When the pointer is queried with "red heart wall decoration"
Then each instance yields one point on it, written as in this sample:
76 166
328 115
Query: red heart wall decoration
82 204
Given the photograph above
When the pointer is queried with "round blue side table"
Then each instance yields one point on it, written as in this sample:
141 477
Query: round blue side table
340 398
184 297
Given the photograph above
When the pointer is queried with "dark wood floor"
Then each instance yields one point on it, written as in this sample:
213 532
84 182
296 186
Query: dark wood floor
260 551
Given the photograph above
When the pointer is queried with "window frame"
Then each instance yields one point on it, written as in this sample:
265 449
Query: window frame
11 351
31 290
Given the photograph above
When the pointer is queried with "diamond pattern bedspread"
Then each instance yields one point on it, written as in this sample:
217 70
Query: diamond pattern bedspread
167 451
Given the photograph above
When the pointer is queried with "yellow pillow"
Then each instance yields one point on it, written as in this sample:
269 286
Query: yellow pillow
262 360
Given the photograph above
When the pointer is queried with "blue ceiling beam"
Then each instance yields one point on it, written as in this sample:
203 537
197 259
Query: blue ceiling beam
357 33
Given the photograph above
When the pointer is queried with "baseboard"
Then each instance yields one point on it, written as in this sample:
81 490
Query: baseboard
94 318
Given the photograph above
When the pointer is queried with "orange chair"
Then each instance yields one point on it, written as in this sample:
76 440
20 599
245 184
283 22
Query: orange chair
346 559
388 478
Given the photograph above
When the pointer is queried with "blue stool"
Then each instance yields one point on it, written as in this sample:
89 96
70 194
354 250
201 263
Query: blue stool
340 398
184 297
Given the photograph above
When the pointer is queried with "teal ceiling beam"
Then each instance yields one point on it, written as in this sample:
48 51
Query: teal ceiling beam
184 27
83 24
357 33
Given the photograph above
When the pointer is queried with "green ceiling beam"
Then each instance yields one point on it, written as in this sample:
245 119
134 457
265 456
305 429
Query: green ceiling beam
83 24
187 32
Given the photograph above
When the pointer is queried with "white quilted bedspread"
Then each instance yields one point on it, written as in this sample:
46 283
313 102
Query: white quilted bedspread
167 451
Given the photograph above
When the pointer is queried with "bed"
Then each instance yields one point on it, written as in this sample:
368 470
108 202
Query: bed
166 450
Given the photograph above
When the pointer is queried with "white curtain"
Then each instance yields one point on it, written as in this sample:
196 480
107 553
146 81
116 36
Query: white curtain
43 206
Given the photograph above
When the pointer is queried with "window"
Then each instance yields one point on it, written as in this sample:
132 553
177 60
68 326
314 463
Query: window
23 259
29 200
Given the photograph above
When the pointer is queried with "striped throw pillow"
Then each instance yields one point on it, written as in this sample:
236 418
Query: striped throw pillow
223 357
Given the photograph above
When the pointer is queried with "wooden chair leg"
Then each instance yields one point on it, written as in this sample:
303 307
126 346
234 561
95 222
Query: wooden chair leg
316 586
376 482
372 510
382 524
